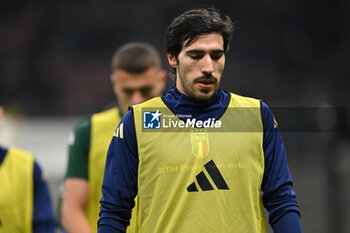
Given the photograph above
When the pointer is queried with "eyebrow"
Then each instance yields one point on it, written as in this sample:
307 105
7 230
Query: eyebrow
144 88
202 51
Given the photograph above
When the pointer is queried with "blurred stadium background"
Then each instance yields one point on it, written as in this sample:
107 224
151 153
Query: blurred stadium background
55 66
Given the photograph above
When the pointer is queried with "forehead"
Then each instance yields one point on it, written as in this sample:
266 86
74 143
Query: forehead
127 79
212 41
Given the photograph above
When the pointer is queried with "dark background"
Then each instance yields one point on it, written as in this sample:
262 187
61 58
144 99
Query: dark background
55 60
55 55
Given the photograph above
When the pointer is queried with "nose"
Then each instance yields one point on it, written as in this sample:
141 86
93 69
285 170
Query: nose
137 98
207 64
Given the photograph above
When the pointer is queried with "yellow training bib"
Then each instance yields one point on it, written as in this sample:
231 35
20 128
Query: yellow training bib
16 193
200 176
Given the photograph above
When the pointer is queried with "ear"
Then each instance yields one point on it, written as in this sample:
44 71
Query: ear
162 75
172 60
114 83
114 78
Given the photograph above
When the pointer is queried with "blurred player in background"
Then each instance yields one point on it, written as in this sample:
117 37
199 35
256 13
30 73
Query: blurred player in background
25 204
136 77
214 169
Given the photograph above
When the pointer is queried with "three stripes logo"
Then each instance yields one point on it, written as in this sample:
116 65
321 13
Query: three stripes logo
119 132
203 181
275 124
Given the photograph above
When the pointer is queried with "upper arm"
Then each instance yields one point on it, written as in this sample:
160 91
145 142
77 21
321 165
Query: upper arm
119 186
76 186
122 159
43 219
278 195
276 169
76 193
79 143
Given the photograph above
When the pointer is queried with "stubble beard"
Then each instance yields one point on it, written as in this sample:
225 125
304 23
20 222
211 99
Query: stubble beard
186 85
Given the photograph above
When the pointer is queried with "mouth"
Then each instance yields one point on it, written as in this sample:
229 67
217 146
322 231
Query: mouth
206 83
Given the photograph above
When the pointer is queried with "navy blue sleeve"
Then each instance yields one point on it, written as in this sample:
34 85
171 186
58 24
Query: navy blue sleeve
278 196
119 186
43 218
288 223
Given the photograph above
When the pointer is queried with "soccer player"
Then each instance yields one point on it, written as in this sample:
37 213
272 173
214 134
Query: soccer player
25 203
210 167
136 76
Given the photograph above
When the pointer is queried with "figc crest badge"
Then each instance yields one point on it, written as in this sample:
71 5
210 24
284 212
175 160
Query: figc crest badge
200 144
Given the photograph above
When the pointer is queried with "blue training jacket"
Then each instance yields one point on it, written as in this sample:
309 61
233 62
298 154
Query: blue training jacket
278 196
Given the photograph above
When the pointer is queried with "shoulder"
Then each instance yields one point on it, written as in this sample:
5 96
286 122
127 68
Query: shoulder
38 176
20 160
83 126
269 121
3 152
243 101
128 117
265 112
81 130
154 102
106 118
109 112
20 153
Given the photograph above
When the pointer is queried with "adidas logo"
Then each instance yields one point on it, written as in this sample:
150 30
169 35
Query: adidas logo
203 181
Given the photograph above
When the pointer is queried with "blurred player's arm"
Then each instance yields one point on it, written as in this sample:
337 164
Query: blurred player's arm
119 186
76 183
74 204
278 196
43 219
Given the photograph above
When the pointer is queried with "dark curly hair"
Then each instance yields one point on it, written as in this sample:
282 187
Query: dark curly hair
195 22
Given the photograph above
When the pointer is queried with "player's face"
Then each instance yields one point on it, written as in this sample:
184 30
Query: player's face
199 66
131 88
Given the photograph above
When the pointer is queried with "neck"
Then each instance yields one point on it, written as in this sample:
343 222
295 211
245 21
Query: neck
195 100
183 104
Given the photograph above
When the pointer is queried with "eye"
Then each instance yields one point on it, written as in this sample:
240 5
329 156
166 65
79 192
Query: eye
128 92
145 91
216 56
196 56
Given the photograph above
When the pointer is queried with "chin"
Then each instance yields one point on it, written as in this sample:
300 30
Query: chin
204 97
